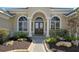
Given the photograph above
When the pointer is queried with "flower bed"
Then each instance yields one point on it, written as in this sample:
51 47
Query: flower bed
63 45
15 45
19 40
60 40
64 49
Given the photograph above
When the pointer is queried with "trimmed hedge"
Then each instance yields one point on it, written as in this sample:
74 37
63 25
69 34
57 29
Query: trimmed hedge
20 34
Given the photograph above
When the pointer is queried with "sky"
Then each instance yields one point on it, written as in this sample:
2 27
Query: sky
39 3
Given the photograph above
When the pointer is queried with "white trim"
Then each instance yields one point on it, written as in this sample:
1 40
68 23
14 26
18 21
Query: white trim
39 10
30 27
33 27
47 32
17 26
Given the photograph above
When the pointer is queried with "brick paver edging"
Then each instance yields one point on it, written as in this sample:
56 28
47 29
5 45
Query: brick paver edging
30 47
18 50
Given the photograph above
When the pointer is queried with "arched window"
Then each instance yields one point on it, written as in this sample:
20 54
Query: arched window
22 24
55 23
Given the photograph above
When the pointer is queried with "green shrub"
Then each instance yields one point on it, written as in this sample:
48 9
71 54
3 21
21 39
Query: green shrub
20 34
51 40
60 33
3 35
52 33
1 41
73 38
68 38
77 38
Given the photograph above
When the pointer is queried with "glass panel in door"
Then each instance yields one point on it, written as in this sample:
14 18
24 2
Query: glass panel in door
39 28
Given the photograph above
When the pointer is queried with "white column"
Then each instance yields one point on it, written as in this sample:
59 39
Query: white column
30 32
33 28
44 27
47 34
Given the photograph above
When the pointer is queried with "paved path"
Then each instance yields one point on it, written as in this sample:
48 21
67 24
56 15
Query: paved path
38 44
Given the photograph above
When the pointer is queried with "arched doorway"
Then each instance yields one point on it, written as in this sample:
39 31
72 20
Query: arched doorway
39 23
39 26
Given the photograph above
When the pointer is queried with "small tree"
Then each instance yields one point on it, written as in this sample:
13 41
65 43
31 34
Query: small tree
3 34
73 24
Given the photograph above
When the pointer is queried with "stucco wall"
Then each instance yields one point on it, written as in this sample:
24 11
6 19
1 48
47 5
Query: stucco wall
31 11
47 13
5 23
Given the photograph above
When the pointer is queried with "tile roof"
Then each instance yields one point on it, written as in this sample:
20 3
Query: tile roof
5 12
71 12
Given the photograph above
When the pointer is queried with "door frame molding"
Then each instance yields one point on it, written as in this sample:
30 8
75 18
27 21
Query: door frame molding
43 26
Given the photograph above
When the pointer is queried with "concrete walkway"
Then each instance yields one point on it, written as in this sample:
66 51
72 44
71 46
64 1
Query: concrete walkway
38 44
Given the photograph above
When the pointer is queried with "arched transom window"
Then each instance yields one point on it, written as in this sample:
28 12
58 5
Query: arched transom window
22 24
39 19
55 23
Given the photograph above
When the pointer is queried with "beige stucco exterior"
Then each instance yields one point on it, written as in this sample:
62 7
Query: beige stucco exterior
31 13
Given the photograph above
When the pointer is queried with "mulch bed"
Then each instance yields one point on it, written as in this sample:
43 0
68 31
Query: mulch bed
64 49
16 45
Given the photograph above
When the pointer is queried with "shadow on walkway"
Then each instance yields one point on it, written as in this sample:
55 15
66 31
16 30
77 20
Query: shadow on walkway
38 39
